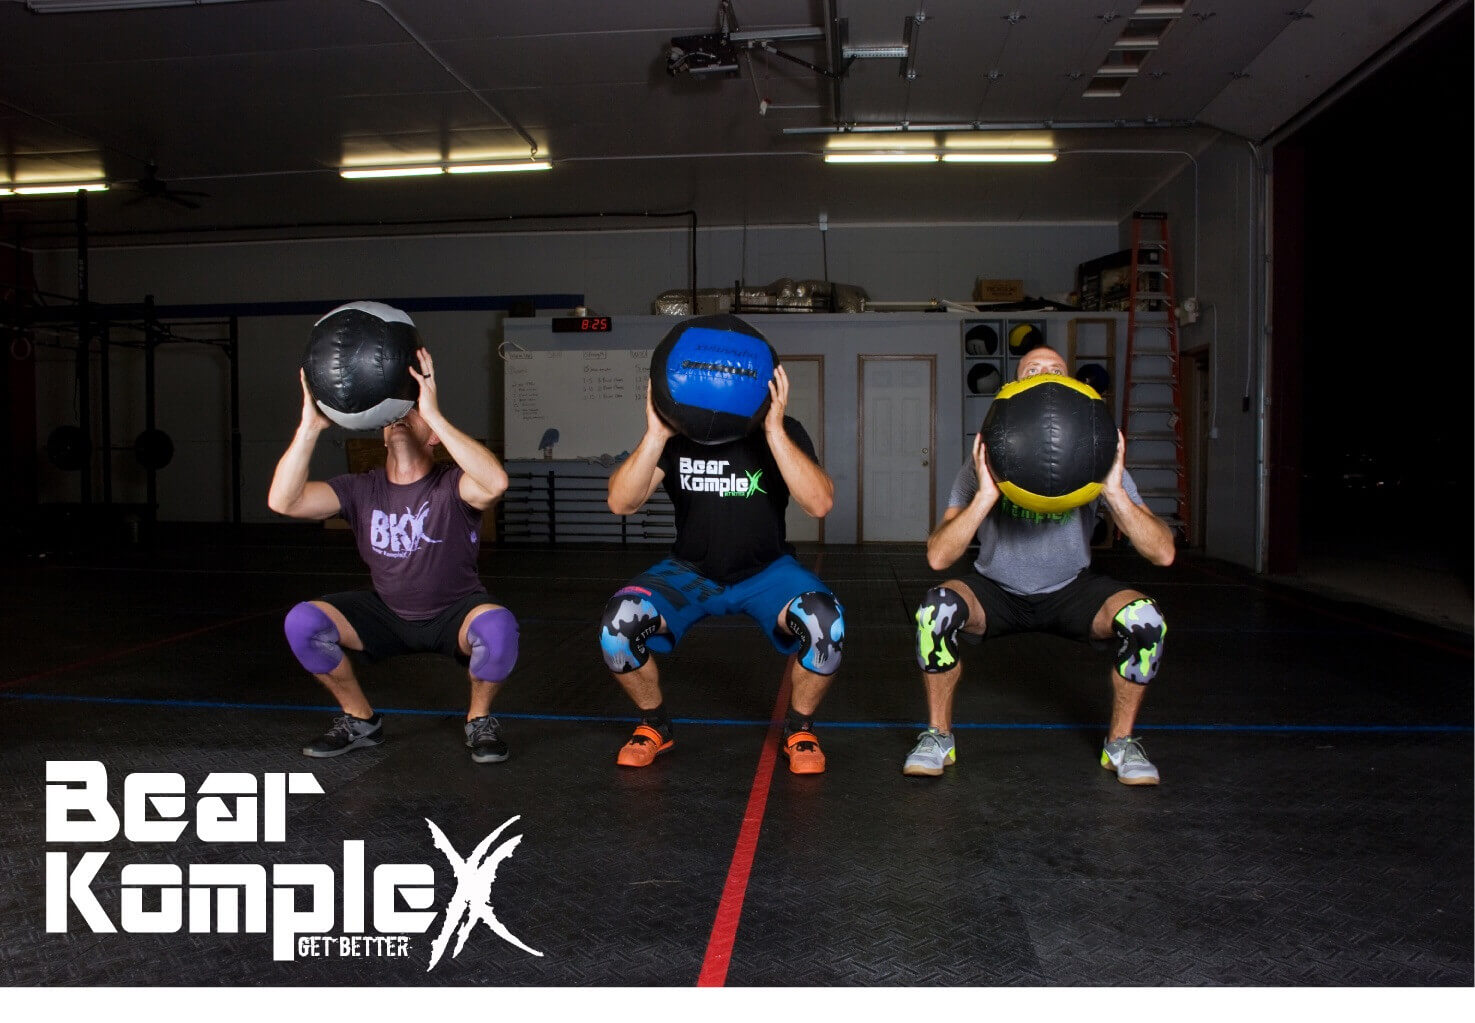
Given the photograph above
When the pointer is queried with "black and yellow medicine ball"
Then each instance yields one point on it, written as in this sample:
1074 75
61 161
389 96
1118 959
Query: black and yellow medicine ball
1051 441
1025 337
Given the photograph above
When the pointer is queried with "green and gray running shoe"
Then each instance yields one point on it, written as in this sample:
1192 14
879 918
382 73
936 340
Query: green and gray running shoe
933 752
1129 760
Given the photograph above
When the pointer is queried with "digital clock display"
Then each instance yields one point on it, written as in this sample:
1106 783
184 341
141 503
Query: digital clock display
581 324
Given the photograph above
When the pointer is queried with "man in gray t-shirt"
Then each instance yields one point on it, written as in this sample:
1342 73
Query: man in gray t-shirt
1033 574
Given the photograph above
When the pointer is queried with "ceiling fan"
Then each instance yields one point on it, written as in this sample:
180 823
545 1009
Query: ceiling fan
151 186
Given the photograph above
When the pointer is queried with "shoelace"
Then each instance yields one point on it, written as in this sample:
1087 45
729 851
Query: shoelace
485 728
343 725
1132 751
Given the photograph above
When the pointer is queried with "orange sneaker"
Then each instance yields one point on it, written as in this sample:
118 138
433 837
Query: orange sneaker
643 746
805 756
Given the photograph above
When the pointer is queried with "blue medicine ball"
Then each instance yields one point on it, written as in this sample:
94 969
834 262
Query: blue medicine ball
709 378
358 363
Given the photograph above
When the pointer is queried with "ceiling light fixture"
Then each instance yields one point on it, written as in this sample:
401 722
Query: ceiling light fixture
416 170
58 187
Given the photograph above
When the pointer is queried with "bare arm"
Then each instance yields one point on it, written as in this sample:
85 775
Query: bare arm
809 485
483 480
637 477
291 492
1149 534
955 532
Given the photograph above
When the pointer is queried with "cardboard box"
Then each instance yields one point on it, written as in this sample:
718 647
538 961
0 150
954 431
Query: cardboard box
988 289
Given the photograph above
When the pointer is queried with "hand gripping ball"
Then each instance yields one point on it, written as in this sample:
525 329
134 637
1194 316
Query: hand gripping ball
358 365
709 378
1051 441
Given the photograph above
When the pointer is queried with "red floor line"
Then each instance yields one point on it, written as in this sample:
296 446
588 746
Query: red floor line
130 650
730 909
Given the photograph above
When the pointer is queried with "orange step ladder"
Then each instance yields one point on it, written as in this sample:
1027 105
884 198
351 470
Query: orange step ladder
1152 417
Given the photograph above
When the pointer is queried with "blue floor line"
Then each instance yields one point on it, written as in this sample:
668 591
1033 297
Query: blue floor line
744 722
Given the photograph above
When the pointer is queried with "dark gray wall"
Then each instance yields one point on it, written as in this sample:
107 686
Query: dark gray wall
618 272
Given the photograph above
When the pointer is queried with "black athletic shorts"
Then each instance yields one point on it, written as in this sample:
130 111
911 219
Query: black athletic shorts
1068 611
385 634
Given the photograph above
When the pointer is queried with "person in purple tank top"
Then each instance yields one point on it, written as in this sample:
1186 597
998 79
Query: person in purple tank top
416 522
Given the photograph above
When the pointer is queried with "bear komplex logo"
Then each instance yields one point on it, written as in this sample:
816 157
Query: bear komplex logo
294 902
711 476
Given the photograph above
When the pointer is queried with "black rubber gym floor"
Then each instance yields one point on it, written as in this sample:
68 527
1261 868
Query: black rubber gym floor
1313 826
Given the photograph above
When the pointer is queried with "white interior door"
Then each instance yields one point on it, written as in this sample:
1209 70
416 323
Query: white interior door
806 404
896 477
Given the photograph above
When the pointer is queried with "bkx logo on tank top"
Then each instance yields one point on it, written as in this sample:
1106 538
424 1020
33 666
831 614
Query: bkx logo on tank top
710 476
399 536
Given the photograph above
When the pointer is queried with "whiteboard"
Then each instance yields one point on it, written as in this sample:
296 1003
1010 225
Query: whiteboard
593 401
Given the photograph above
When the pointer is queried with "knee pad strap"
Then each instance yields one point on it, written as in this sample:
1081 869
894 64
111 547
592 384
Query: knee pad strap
629 620
940 618
492 636
818 620
1141 629
313 638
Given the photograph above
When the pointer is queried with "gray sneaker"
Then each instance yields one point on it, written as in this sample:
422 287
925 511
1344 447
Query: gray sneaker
484 739
1129 760
934 751
347 733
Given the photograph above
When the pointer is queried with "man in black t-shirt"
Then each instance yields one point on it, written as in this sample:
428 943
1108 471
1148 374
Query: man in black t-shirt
730 557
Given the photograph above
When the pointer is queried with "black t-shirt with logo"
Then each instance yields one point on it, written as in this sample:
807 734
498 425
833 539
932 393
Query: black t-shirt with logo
730 501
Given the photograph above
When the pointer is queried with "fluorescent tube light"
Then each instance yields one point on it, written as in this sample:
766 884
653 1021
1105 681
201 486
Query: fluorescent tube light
862 157
60 187
390 172
498 166
997 156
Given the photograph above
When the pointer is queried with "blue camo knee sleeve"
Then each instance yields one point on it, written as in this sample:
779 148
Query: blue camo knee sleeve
629 620
940 618
313 638
492 636
819 621
1142 630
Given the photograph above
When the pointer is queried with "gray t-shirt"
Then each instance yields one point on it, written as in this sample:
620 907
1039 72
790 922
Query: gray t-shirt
1025 552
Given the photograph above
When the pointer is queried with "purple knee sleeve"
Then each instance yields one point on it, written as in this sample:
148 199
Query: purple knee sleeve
493 639
313 638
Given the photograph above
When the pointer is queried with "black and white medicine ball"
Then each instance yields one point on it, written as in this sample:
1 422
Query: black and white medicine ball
1051 441
709 378
358 365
